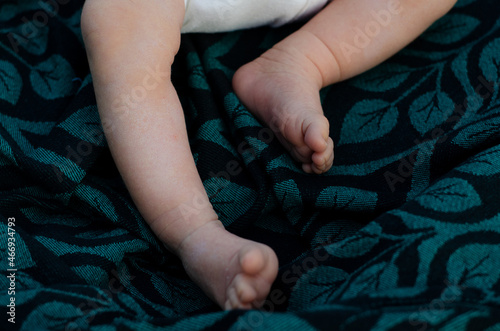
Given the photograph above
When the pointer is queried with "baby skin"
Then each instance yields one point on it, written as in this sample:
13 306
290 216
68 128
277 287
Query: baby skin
131 46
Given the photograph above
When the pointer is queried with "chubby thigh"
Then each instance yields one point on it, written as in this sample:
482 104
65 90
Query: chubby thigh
229 15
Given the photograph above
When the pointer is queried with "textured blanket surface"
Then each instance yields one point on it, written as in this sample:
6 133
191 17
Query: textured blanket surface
402 233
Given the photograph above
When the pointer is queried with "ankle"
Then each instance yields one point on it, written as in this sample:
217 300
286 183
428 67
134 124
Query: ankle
177 224
196 236
314 55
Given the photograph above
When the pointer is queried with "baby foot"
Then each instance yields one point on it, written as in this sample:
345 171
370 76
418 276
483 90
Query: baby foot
235 272
278 90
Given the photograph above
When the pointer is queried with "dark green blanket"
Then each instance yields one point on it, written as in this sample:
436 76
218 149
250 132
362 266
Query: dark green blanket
402 233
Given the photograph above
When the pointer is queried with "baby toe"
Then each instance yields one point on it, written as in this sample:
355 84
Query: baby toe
329 153
235 295
244 291
316 133
232 301
307 168
318 170
320 163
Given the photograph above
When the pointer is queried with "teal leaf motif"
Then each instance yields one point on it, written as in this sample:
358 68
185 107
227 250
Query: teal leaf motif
249 152
85 125
475 265
375 278
16 128
130 304
6 154
477 133
451 28
23 258
9 10
93 275
328 232
450 195
269 321
346 198
52 78
358 244
284 161
368 120
36 42
239 114
290 198
316 287
100 234
486 163
430 110
73 22
113 251
98 200
179 292
11 82
489 61
55 315
382 78
197 78
213 131
26 287
230 200
219 49
201 321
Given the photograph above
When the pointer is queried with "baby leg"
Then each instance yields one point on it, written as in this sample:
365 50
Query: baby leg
281 87
131 46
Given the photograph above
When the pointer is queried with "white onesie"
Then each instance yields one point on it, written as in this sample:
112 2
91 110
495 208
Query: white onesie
229 15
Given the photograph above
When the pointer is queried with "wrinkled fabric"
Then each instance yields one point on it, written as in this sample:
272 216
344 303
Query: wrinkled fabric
230 15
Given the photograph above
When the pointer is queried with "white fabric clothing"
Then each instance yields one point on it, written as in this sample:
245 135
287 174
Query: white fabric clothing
229 15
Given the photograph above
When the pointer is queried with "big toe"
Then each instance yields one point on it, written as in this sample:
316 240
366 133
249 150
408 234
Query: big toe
258 260
252 259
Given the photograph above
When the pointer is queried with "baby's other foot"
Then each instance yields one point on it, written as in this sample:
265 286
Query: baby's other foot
235 272
280 91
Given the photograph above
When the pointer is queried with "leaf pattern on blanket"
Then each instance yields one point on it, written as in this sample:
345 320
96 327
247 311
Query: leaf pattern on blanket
52 78
430 110
402 233
368 120
450 195
385 77
10 82
451 28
